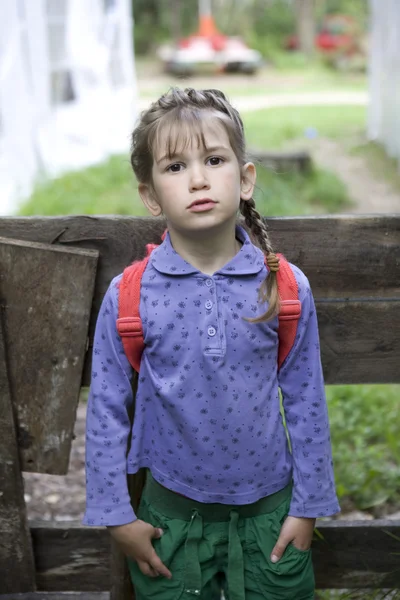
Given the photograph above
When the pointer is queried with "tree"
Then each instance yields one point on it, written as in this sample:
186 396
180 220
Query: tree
305 24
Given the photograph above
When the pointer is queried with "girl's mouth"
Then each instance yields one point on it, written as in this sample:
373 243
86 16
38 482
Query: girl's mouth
202 205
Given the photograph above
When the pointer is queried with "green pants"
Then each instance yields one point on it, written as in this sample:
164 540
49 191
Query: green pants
208 547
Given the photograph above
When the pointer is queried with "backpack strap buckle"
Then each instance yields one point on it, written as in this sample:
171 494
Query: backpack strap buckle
129 326
290 310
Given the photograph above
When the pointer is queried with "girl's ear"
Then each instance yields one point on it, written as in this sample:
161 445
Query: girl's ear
248 181
148 198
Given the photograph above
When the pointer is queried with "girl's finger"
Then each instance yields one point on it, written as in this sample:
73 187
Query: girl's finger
147 569
158 566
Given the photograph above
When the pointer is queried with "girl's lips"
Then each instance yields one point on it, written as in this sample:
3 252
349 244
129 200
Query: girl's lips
202 205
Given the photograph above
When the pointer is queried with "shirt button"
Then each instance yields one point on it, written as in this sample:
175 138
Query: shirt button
208 305
209 282
211 331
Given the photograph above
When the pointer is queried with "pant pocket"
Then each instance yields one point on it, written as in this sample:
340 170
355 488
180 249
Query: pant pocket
170 549
149 588
292 577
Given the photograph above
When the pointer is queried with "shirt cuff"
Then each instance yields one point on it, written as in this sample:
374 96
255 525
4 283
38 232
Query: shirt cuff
314 512
106 516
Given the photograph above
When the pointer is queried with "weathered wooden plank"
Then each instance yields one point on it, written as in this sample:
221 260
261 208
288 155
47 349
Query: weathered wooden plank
121 584
359 554
365 265
342 255
360 341
70 557
47 296
17 566
350 555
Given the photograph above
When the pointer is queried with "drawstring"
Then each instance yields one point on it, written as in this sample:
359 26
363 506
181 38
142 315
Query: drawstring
193 569
235 573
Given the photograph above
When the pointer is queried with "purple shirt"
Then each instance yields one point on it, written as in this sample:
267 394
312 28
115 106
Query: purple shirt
207 413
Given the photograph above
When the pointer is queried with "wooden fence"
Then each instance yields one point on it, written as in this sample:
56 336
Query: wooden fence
53 275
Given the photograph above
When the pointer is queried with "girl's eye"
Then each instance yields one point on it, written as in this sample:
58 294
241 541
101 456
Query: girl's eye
175 168
215 161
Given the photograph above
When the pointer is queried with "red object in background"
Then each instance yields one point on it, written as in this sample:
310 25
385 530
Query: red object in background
217 42
207 48
326 42
208 30
338 32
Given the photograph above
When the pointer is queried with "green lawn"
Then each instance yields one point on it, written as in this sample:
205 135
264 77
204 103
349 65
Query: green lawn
272 128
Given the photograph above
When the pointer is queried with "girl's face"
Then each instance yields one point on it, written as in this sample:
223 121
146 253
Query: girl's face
199 188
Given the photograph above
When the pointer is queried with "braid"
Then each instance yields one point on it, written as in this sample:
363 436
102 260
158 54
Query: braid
269 287
180 110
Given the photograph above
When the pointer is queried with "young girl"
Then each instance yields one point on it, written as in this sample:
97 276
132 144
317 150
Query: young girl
230 499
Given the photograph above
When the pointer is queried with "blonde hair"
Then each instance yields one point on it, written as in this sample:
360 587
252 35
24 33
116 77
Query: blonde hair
182 113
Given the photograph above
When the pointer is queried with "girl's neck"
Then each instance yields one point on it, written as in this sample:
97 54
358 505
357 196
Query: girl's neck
208 252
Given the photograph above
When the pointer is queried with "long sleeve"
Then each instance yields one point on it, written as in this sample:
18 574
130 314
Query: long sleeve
108 424
302 385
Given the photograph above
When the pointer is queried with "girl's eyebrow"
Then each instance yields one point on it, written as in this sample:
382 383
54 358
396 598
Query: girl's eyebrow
207 150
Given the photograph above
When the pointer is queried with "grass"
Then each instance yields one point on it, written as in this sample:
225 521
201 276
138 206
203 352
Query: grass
294 193
107 188
272 128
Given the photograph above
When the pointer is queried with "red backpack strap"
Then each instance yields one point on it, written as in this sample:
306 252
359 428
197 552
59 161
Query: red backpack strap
129 323
290 310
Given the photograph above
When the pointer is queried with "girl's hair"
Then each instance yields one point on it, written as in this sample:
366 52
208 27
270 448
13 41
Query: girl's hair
173 120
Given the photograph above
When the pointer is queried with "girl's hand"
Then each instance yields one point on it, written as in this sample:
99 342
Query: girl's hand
134 540
295 530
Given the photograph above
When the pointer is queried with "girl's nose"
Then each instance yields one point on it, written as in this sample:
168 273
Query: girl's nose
198 179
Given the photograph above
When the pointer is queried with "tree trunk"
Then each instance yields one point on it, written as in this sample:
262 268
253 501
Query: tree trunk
305 20
175 19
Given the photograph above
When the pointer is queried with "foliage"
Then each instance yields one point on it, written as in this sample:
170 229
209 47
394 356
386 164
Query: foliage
154 22
365 442
265 24
358 9
107 188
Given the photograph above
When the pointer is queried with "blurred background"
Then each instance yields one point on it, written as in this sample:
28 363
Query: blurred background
317 84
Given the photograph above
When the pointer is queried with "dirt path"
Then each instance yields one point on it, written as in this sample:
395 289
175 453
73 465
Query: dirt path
369 193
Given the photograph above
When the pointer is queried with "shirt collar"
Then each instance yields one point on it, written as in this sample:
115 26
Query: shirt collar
248 261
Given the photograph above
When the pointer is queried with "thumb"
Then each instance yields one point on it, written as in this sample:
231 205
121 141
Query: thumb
157 533
279 548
